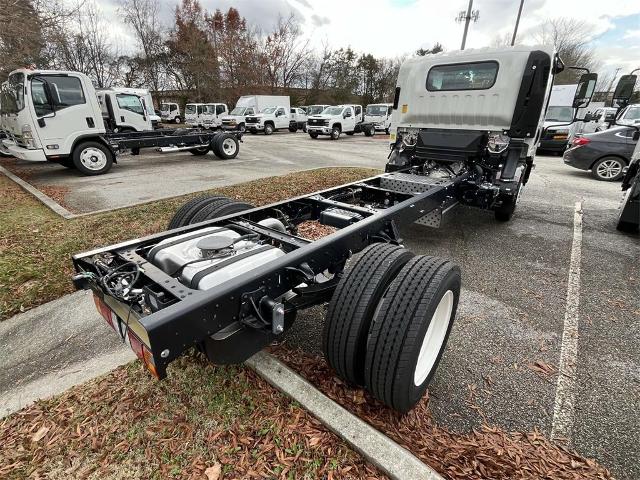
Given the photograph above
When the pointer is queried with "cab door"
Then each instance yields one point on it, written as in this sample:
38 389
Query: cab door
221 111
282 118
348 120
63 111
130 112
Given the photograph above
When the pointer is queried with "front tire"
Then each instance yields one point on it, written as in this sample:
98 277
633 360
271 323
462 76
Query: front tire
410 331
268 129
313 135
335 133
608 169
177 120
92 158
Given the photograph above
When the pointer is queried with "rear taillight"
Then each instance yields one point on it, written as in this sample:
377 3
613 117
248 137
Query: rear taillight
142 352
580 141
106 312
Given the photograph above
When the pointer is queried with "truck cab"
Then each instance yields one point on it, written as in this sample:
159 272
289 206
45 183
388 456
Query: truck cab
212 115
380 115
236 120
492 135
193 114
269 120
123 112
49 113
170 112
298 120
316 109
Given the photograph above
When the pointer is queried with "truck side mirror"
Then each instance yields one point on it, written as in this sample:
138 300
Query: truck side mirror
609 117
587 118
636 135
624 90
584 92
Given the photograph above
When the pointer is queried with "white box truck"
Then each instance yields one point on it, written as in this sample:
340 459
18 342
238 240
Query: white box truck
251 106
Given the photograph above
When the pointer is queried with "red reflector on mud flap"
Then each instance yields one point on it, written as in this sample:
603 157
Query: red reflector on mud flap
142 352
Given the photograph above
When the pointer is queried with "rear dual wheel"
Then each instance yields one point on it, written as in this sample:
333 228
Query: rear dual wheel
389 320
206 208
224 146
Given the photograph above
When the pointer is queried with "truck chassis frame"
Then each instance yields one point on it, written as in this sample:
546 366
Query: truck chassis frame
365 212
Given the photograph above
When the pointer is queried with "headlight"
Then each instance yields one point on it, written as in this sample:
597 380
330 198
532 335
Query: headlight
27 136
497 143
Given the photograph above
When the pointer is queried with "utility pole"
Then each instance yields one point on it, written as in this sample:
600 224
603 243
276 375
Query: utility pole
466 17
515 30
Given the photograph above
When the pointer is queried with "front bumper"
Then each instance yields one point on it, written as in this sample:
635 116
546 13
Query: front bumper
255 126
10 148
318 129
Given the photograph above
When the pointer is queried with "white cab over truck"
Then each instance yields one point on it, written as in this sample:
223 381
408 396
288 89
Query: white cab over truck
334 121
380 115
251 105
170 112
57 116
213 114
123 112
147 102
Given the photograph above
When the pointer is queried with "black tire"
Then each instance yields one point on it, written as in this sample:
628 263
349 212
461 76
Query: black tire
177 120
400 326
186 212
198 152
268 129
599 170
313 135
242 128
226 146
386 131
83 151
335 133
304 128
67 162
352 307
219 208
370 132
293 129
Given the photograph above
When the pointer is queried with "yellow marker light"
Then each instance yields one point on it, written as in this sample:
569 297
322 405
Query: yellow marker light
392 137
405 107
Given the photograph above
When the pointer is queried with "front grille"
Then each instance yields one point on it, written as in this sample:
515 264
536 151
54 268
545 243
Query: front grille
318 122
253 120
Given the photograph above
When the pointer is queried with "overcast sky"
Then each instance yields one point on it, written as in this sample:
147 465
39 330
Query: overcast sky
394 27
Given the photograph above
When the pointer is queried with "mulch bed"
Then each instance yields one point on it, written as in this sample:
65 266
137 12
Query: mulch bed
488 453
203 422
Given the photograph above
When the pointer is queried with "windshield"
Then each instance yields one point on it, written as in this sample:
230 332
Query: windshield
164 107
333 111
210 109
559 114
315 109
268 110
238 111
13 99
377 109
633 113
190 109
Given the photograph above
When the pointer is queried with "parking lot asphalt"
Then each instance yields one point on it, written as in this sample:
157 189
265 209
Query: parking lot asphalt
502 363
153 175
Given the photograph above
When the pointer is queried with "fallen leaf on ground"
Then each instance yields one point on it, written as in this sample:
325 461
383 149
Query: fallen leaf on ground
213 473
543 368
39 435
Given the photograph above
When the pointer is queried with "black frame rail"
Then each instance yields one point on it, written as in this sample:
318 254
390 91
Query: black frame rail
195 315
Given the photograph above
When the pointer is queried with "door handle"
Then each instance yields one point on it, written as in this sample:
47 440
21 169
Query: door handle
122 118
90 122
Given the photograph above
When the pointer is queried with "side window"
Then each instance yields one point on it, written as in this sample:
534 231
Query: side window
293 110
64 91
348 113
130 103
220 109
173 108
358 110
389 110
280 111
200 109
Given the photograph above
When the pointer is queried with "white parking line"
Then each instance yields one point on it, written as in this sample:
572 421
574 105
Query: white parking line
564 406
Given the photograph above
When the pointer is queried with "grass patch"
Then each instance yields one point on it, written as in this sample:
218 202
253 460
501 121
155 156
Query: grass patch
36 244
127 425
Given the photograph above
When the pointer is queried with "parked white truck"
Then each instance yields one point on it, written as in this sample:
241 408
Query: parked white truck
123 112
559 127
380 115
298 120
334 121
147 102
316 109
205 115
56 116
170 112
251 106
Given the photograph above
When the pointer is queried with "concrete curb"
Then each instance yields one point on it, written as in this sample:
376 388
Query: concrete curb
56 207
384 453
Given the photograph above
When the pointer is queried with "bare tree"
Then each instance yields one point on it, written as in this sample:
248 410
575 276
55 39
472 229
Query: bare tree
143 16
571 43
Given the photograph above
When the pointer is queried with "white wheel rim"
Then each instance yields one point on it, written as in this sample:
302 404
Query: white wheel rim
229 146
93 158
609 169
433 339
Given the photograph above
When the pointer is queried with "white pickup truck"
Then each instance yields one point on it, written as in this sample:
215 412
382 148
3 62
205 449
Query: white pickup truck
380 115
298 120
334 121
269 120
